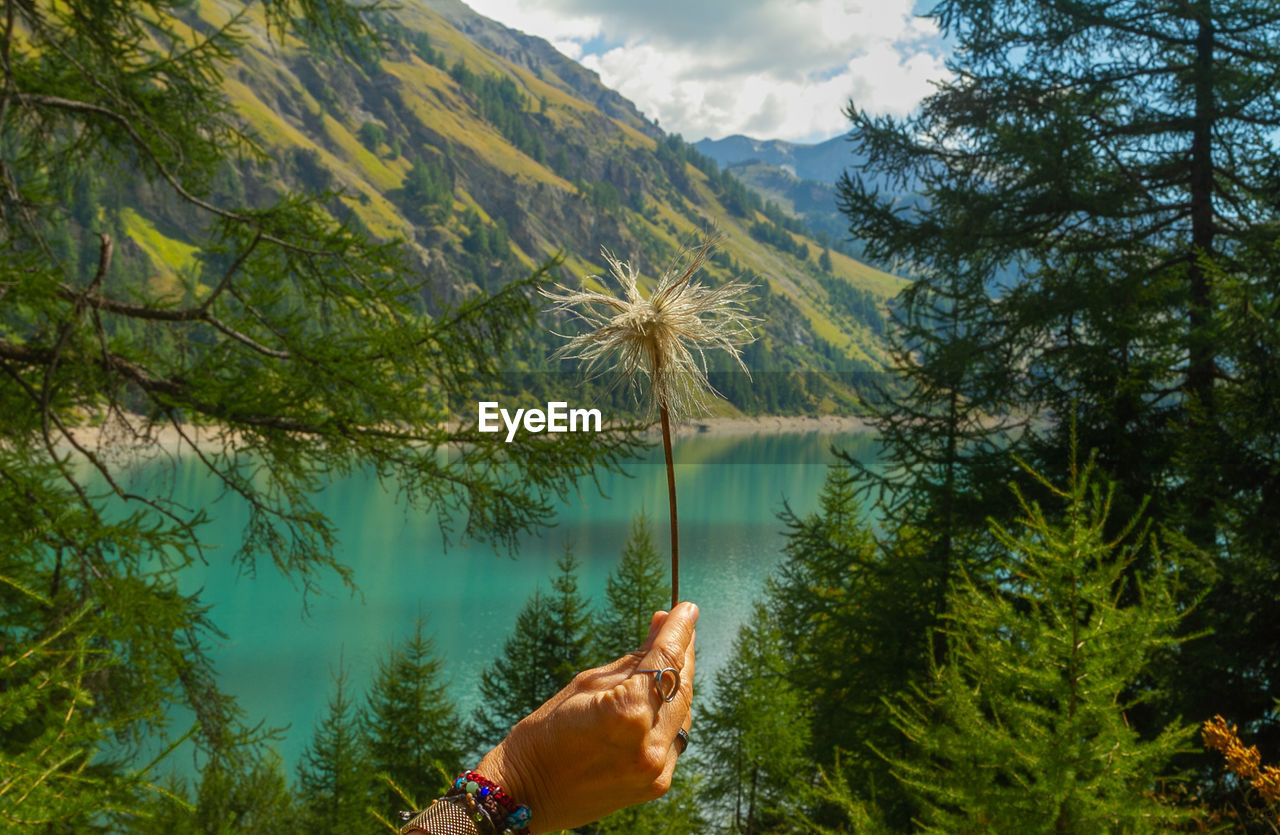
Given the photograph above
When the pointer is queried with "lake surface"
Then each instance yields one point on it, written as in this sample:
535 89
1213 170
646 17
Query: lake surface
279 660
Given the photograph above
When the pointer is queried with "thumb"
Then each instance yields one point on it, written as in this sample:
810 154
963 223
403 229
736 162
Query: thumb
667 647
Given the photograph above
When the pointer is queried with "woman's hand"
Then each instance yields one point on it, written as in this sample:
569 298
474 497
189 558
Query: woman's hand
605 741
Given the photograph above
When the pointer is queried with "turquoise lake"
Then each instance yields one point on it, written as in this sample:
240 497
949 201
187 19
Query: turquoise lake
279 659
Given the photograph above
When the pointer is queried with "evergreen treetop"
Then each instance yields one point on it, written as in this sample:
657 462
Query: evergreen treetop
547 647
857 615
333 776
634 590
1023 725
758 731
572 621
411 721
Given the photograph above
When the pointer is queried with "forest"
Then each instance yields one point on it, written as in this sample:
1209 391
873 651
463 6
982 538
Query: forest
1049 608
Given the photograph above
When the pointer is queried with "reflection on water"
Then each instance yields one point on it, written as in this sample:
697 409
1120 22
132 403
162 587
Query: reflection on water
278 662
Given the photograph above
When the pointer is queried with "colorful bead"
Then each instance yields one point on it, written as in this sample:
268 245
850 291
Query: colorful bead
486 799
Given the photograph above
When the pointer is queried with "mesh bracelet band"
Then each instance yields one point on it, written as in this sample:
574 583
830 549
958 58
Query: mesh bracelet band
447 816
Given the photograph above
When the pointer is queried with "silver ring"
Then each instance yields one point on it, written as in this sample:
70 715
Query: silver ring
682 739
667 695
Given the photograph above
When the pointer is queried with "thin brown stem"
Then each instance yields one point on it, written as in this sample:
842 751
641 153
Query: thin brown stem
671 502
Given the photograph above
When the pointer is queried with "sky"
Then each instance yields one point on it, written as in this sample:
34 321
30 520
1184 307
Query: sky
770 69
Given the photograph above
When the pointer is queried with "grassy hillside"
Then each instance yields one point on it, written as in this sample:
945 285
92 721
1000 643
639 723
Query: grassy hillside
486 161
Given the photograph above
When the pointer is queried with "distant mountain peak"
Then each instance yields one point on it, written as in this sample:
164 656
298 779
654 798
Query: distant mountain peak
824 161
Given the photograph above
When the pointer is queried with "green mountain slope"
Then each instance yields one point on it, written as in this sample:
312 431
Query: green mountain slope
812 201
801 180
486 151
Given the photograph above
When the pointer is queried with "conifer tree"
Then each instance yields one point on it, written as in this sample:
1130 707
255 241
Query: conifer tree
757 733
294 342
48 726
857 617
547 647
1098 178
681 811
571 619
634 590
334 789
228 801
520 679
943 418
412 724
1023 725
259 800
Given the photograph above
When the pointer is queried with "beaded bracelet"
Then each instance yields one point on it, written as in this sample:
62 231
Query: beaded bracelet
495 801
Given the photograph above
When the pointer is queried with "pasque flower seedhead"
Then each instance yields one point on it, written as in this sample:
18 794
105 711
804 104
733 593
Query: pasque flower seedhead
664 337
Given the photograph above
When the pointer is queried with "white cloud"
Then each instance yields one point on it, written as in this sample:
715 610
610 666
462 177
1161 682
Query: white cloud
571 48
543 19
767 68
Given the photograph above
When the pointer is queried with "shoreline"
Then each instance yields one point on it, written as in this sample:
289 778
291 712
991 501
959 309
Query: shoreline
770 425
166 439
114 440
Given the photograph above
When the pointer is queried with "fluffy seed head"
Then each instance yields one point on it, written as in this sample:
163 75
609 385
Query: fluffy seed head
664 337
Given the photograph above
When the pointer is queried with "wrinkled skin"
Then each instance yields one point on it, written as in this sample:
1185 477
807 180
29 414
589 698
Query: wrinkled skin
607 740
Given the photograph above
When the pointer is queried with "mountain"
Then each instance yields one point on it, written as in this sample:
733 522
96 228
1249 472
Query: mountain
823 162
810 201
538 55
801 180
486 151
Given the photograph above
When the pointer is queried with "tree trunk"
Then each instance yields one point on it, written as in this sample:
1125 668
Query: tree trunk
1201 357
